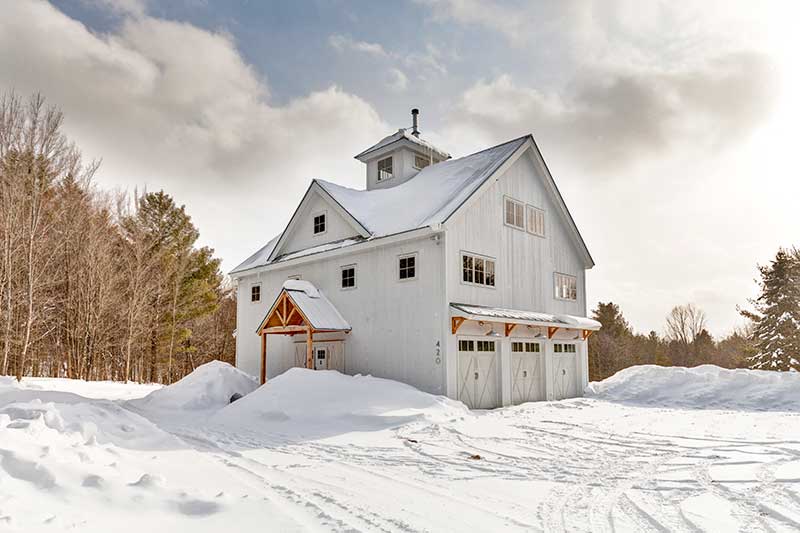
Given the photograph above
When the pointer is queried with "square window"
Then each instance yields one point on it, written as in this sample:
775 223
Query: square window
385 169
407 267
255 293
348 277
319 223
566 287
478 270
421 161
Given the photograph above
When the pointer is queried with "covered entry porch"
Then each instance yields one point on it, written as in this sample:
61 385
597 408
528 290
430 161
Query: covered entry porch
300 309
507 356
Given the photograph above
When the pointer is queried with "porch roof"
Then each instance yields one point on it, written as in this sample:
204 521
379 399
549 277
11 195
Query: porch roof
301 305
516 316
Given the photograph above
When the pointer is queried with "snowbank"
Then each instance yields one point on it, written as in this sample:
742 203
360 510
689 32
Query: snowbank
702 387
308 398
210 386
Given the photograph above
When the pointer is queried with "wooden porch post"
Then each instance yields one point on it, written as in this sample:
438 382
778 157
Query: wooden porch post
263 357
309 354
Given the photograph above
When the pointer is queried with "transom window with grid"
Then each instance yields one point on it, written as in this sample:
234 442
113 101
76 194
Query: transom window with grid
515 213
535 220
319 223
566 287
485 346
349 277
385 169
466 346
564 348
529 347
407 267
477 270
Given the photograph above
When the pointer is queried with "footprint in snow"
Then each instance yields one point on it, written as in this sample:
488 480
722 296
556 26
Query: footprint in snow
148 481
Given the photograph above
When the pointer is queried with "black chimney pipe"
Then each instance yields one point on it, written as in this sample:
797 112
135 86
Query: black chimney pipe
414 129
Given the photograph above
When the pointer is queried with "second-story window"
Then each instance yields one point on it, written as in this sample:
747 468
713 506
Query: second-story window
477 270
319 223
407 267
385 169
566 287
535 221
349 277
515 213
255 293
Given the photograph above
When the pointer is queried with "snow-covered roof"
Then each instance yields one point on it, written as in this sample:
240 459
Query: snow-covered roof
428 198
319 311
403 135
532 317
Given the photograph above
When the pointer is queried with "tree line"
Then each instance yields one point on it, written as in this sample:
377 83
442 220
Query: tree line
770 339
96 285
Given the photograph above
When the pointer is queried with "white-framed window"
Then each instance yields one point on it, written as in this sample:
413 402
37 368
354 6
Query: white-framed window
485 346
320 224
407 267
514 213
566 287
421 161
466 346
535 218
255 292
563 348
348 276
527 347
477 270
385 168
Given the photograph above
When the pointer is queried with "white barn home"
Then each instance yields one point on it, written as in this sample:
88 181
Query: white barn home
463 277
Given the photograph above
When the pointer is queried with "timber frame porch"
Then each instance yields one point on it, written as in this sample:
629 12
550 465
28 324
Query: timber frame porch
299 311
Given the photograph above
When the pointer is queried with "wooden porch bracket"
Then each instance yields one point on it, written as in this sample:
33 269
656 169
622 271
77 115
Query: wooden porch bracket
551 330
309 351
263 357
509 328
587 333
455 323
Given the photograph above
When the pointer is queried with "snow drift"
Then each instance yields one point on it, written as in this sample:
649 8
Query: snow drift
702 387
308 398
210 386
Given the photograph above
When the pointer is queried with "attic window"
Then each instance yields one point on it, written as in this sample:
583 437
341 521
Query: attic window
421 161
319 223
385 169
535 221
515 214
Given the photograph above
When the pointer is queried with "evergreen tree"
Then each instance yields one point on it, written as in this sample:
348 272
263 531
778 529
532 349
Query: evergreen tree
776 331
609 346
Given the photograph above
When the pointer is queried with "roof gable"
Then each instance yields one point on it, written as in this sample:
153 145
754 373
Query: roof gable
400 136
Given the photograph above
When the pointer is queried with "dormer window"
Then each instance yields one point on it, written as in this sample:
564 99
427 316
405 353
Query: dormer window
421 161
385 169
319 223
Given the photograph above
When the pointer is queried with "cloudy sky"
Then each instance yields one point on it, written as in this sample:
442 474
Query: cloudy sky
670 127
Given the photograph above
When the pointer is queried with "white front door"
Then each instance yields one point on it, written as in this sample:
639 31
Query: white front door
477 372
320 359
565 365
527 372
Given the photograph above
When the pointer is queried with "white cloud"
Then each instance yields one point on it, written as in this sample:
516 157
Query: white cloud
344 43
169 105
397 81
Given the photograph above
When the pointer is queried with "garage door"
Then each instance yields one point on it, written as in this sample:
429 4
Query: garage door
477 374
527 372
565 363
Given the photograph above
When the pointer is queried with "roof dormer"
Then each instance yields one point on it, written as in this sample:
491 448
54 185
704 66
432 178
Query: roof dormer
399 157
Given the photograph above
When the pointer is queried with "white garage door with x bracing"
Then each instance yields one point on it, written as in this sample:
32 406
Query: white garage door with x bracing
565 364
527 372
477 374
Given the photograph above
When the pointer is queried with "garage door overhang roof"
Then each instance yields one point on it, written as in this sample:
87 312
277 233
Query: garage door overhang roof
517 316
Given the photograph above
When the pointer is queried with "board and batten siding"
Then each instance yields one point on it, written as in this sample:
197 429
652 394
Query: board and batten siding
302 234
525 264
396 324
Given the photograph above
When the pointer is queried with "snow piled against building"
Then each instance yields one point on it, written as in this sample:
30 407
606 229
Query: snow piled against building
210 386
702 387
301 399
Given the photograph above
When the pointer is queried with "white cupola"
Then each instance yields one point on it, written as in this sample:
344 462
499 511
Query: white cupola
399 157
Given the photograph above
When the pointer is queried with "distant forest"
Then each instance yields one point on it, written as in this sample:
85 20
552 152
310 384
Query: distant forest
96 285
770 340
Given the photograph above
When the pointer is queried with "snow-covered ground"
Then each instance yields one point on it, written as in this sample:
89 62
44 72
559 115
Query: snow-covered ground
651 449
